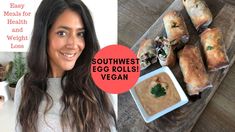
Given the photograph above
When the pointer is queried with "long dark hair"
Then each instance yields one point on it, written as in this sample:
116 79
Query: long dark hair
88 106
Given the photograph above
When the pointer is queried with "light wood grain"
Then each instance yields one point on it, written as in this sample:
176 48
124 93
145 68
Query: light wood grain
184 118
131 27
219 115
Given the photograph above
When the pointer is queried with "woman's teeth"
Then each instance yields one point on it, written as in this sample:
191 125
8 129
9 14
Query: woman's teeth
69 55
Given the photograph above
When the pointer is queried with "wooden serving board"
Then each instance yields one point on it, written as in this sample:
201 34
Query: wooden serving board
183 118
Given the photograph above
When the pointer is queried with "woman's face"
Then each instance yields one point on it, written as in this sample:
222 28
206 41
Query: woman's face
66 42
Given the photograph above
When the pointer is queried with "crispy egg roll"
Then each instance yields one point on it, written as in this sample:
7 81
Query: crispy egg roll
194 72
214 49
199 13
175 27
147 53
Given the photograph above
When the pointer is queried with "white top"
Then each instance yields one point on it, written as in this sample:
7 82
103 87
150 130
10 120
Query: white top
52 117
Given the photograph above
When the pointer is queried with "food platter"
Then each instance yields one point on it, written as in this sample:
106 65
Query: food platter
186 116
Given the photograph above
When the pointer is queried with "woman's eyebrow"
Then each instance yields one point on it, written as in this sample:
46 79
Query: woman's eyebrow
68 28
81 29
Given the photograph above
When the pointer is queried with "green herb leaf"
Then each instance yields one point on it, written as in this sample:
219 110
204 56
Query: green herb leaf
158 90
161 37
163 53
209 47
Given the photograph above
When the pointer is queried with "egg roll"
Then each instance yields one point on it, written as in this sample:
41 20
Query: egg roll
147 53
175 28
214 49
199 13
165 52
193 69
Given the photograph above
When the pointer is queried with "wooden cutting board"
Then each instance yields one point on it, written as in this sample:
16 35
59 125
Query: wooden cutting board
184 118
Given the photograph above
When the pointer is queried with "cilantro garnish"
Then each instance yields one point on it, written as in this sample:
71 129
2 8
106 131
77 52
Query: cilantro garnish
162 52
209 47
161 37
158 90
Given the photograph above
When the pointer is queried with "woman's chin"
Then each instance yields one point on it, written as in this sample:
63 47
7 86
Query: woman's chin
68 67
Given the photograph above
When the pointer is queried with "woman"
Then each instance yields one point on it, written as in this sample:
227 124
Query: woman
58 94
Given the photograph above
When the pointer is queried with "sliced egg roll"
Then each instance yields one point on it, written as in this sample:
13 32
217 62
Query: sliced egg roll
165 52
193 69
147 53
175 28
199 13
214 49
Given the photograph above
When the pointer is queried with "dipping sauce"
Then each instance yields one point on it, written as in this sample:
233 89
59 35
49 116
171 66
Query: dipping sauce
151 103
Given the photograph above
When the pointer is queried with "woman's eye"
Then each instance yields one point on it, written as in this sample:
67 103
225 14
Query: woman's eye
80 34
61 33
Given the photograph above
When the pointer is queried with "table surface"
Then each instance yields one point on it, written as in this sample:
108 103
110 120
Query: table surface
135 17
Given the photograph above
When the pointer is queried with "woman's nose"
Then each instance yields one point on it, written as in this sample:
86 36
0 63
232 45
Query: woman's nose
72 42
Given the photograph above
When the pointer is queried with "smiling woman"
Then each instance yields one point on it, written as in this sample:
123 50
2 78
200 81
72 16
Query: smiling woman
66 42
58 93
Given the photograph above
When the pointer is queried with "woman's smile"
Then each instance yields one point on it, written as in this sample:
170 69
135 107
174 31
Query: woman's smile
69 56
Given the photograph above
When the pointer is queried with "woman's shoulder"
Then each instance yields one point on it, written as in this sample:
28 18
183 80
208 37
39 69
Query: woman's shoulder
18 90
20 84
20 81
